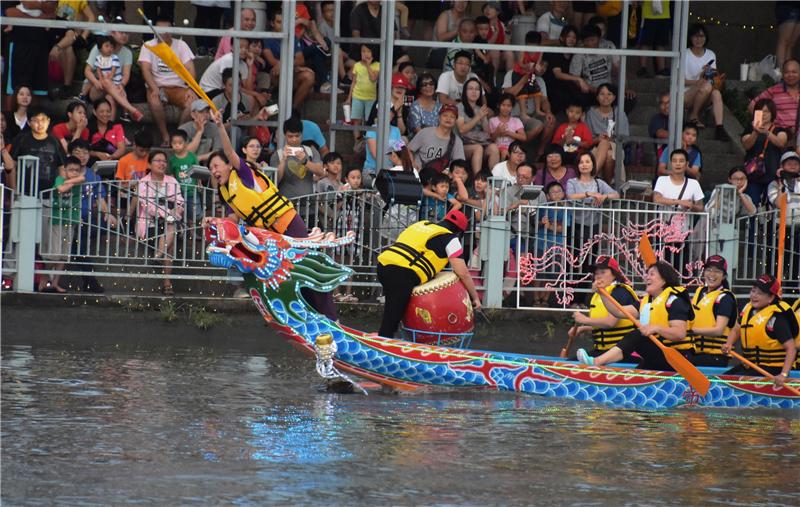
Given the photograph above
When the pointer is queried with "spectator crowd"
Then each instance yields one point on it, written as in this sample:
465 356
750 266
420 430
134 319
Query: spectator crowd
557 120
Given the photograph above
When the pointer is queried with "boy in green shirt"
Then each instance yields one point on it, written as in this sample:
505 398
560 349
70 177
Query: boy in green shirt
180 163
66 217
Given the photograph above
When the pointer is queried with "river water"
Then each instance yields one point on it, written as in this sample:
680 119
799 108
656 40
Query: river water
172 420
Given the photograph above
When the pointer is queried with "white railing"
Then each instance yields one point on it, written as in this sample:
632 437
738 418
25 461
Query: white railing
758 249
553 266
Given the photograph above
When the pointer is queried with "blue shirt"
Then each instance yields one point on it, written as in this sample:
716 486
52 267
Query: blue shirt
549 238
274 45
369 162
694 157
91 189
433 209
312 132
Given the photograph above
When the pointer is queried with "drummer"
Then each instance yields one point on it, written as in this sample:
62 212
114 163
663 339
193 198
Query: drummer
715 310
421 251
767 327
663 312
607 330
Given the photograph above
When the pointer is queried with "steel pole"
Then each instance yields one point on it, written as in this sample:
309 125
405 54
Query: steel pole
623 67
385 89
335 52
287 69
237 25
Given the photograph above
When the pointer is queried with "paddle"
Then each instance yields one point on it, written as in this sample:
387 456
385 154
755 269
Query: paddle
781 239
761 370
687 370
646 250
565 350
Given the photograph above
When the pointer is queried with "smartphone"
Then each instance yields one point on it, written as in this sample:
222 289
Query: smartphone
710 62
758 117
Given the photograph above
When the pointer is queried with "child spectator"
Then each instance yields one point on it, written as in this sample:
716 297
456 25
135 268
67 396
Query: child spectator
459 175
76 126
526 69
504 128
349 219
332 181
364 90
180 162
574 134
325 25
497 35
658 128
553 223
693 155
594 69
551 23
304 77
437 198
66 214
107 74
133 166
95 213
36 142
466 34
475 196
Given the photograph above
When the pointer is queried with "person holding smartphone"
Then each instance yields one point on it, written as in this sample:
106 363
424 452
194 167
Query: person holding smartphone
763 142
701 67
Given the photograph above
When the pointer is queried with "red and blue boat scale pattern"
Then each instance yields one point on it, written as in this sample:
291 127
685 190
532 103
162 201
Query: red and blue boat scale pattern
408 366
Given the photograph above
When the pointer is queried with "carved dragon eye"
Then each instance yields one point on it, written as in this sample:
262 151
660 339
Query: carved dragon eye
250 237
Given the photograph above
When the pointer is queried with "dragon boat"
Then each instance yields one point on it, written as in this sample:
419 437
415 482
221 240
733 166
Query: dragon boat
278 268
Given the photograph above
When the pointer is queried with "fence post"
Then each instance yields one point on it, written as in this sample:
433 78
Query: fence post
723 237
494 244
26 221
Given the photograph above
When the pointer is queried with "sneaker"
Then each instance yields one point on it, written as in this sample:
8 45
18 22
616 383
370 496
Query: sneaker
721 135
81 98
584 357
325 88
125 116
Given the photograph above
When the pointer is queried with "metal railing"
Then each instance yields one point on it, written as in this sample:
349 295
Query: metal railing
758 249
556 243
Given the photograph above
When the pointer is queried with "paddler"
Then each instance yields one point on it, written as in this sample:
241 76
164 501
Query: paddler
715 310
254 198
421 251
664 312
606 328
767 328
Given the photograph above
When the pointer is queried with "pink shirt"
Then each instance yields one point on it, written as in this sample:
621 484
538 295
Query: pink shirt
163 75
514 124
153 196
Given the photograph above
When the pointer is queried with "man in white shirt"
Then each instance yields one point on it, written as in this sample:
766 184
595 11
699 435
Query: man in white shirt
211 81
552 22
676 189
451 83
161 80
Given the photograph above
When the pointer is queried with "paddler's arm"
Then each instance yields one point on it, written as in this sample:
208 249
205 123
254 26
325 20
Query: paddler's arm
227 146
675 331
606 322
733 337
718 329
460 269
788 362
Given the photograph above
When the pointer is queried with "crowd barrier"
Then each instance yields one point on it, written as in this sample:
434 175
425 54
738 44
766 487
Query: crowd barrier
118 229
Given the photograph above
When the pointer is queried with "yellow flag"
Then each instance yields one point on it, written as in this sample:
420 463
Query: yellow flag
171 60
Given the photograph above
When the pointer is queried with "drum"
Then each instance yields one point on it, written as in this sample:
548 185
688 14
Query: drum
439 312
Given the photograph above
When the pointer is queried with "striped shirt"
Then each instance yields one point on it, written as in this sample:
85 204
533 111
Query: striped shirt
785 104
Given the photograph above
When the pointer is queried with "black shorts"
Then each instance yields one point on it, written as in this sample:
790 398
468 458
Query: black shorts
655 33
27 65
787 11
529 89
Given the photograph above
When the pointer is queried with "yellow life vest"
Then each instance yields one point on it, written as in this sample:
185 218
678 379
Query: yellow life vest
757 346
704 317
410 250
258 209
659 316
796 308
604 339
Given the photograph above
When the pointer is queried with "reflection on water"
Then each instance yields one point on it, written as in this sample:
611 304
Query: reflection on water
199 425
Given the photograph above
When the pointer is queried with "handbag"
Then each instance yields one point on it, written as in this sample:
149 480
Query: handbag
718 81
756 168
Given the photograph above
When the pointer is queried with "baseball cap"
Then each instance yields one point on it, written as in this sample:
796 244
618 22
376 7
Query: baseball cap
789 155
399 81
768 284
608 262
716 261
458 218
199 105
448 108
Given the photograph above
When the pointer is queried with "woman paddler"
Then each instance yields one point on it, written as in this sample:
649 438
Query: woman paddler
663 312
606 328
767 328
421 251
254 198
715 310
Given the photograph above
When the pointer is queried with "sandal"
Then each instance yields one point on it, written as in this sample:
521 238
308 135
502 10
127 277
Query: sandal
697 123
137 116
168 291
350 298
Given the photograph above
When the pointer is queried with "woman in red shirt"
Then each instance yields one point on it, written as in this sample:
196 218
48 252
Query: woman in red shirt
107 139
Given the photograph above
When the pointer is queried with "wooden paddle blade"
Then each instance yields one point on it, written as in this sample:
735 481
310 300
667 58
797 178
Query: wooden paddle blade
687 370
646 250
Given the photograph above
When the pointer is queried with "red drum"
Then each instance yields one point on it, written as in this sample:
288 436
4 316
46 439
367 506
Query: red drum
439 311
